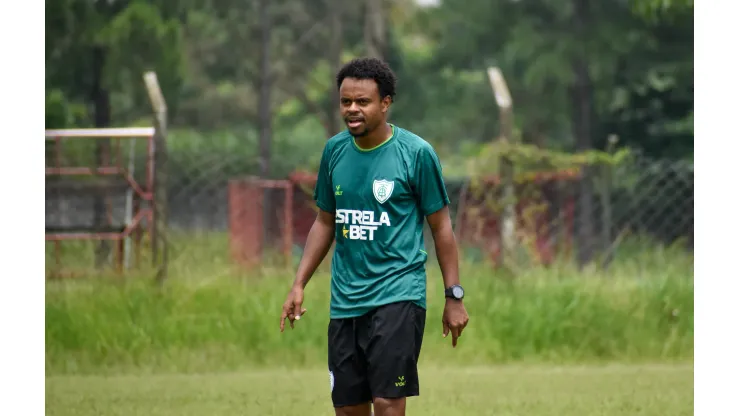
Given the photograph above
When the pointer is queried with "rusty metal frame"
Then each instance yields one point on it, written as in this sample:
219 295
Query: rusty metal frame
144 192
235 196
287 187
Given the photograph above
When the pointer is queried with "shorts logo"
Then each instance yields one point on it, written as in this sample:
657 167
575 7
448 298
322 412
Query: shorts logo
331 380
382 190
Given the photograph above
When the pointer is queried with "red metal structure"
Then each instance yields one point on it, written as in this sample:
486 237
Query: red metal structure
246 199
109 177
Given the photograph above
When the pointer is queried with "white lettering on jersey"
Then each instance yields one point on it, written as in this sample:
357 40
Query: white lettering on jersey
362 224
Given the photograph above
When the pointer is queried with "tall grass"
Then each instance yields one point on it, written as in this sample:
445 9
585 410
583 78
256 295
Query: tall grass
209 317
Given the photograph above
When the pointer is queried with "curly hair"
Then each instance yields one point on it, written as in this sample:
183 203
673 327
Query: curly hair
370 68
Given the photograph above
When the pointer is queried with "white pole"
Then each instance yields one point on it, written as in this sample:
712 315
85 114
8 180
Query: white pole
129 206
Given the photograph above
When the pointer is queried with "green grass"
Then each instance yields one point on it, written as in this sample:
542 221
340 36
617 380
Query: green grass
613 390
550 341
211 316
227 323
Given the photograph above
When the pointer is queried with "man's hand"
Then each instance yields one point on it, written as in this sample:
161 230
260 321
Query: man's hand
454 319
292 308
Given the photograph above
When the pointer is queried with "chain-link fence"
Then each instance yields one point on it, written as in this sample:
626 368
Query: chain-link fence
594 213
222 219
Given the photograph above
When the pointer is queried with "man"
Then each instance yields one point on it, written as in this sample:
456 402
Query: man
377 183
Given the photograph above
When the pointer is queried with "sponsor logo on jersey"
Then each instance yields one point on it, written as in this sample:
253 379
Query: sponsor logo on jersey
360 225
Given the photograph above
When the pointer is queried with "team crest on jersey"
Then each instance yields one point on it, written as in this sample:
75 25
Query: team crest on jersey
382 190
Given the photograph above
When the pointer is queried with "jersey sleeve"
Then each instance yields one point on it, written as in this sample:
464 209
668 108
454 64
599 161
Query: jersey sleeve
429 182
323 192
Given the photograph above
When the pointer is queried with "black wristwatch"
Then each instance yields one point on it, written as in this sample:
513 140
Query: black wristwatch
455 292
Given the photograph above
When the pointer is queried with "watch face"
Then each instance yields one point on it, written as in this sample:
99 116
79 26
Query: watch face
457 292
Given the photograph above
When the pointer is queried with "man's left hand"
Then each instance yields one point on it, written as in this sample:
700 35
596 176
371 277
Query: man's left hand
454 319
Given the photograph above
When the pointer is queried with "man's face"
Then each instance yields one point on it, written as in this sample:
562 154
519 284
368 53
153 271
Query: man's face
361 106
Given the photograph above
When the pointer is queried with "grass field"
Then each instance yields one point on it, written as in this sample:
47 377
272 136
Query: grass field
610 390
551 341
228 324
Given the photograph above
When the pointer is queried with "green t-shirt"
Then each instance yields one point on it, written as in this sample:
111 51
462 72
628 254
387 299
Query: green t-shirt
380 198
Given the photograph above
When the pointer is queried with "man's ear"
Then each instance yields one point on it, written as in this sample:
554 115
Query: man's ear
386 103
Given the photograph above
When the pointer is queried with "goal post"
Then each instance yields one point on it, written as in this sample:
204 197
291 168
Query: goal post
109 180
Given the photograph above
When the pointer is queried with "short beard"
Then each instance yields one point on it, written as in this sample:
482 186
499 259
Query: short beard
363 133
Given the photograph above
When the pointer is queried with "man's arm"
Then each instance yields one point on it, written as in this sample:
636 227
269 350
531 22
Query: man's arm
322 231
320 238
445 246
434 203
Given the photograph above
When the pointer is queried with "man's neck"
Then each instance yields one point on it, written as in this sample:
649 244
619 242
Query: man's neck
380 135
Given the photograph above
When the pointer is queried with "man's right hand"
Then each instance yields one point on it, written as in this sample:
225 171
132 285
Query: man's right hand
292 308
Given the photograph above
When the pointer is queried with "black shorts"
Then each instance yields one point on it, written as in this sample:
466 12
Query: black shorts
375 355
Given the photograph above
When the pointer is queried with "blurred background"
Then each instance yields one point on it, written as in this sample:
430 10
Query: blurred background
564 127
249 90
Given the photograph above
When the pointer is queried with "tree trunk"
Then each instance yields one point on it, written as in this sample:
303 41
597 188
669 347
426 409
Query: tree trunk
376 39
582 117
265 115
100 98
334 119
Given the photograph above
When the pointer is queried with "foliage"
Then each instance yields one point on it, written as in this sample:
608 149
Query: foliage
112 43
528 158
535 45
657 9
139 40
206 56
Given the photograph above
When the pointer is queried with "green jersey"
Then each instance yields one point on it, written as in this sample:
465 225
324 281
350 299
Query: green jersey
380 198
